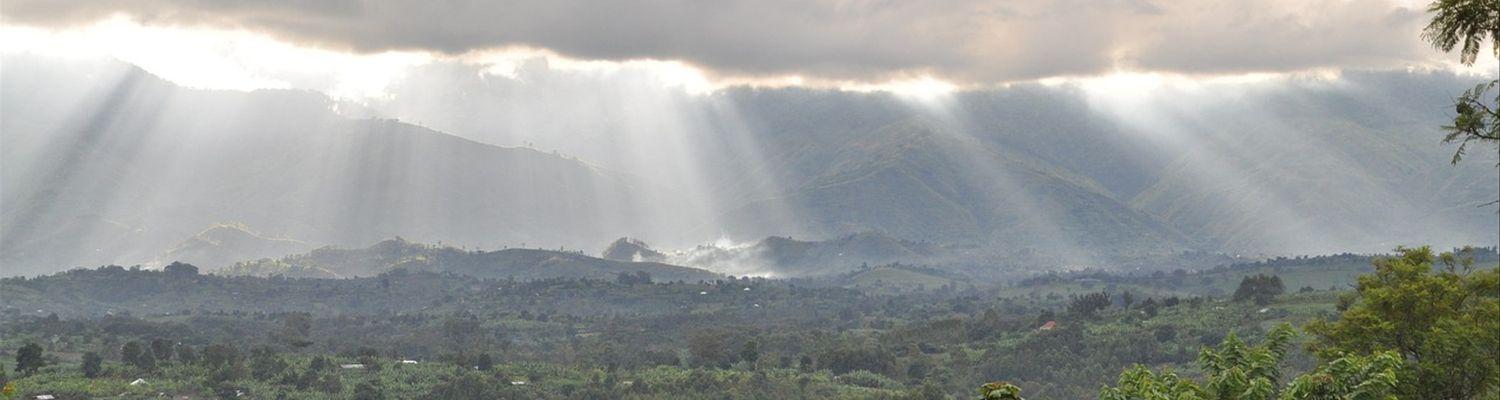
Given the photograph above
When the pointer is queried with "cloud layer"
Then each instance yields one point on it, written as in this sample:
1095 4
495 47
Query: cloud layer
962 41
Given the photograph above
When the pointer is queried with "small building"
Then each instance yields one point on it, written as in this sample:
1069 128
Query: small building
45 397
137 382
352 366
1050 325
408 361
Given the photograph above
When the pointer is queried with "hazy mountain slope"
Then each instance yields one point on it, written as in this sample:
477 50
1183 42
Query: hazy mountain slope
1322 170
107 164
128 165
222 245
1279 167
521 264
1222 161
913 181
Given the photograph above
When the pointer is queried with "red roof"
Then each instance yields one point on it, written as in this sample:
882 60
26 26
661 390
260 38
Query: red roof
1048 326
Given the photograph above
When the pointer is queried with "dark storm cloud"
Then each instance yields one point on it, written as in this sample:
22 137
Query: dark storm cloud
964 41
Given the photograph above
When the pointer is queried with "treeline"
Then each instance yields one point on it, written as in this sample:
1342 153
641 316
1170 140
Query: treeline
1423 326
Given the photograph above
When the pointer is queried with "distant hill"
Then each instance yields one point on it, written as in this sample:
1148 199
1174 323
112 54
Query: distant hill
786 257
393 254
222 245
628 249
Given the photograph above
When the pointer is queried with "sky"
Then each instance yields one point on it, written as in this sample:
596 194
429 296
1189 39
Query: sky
354 49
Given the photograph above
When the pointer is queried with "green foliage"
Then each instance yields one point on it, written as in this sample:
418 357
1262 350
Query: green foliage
1239 371
29 359
138 355
1465 22
484 362
868 379
1445 322
1139 383
1089 304
1261 288
224 363
999 391
750 352
92 364
185 354
1474 120
1236 371
162 349
179 269
368 391
1349 378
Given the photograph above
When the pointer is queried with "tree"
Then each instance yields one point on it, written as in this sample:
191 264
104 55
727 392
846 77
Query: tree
854 356
1233 371
484 362
636 278
266 364
162 349
180 269
1239 371
1088 304
92 364
186 354
1138 382
1473 120
750 352
708 348
1236 371
146 361
1349 378
367 390
462 330
29 359
1260 287
1150 307
1444 323
131 352
295 328
224 362
1469 22
467 385
999 391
